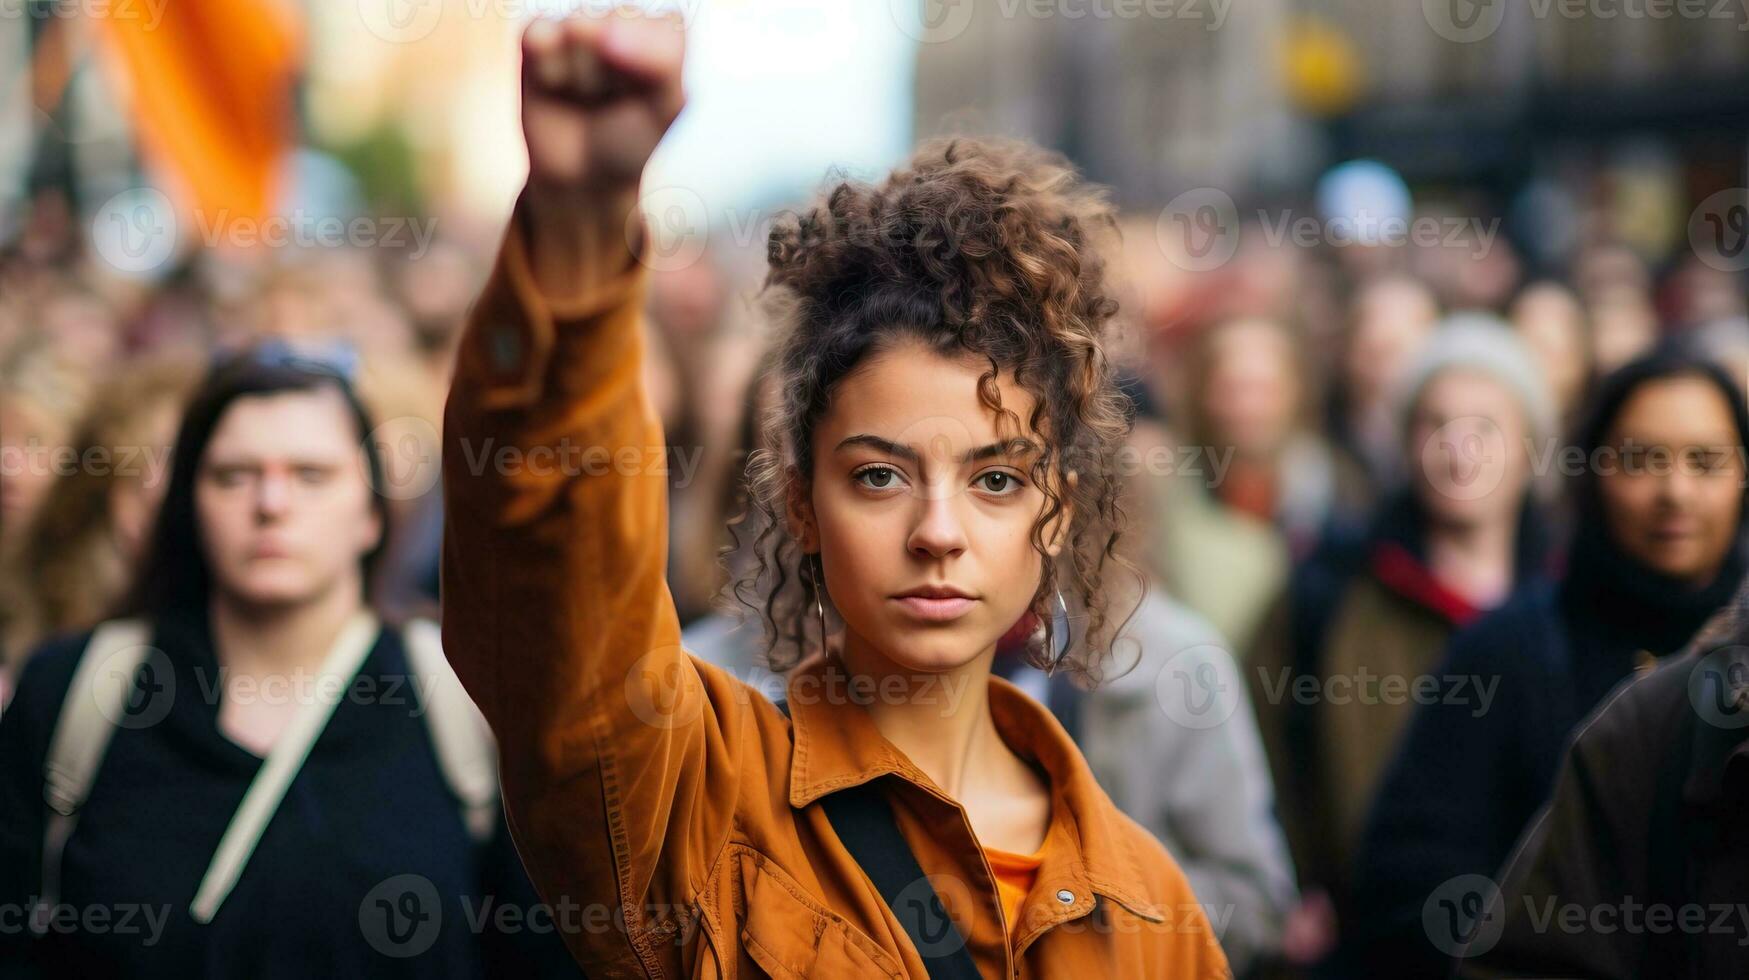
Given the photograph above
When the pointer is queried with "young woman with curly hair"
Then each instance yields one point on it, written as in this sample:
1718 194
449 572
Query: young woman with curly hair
934 477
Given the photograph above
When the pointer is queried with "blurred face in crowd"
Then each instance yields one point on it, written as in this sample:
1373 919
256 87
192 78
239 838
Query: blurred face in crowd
25 473
134 498
1673 498
1252 391
283 501
899 507
1623 326
1552 323
1468 432
1392 317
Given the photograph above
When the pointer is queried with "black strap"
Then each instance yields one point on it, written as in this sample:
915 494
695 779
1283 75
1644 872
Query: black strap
864 821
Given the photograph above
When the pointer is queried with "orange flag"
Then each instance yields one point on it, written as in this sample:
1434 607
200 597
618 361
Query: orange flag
210 85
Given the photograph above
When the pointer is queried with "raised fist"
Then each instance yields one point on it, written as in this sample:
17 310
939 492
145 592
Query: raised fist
598 92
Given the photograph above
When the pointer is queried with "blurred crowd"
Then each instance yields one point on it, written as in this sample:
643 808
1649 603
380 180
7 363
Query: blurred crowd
1368 543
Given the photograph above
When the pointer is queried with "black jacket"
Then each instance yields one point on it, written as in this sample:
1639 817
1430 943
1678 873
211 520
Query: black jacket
1466 781
369 817
1639 867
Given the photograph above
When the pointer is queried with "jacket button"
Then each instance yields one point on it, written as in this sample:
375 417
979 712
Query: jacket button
506 348
1066 896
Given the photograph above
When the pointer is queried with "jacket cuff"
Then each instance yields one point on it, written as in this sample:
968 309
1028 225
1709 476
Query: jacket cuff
518 326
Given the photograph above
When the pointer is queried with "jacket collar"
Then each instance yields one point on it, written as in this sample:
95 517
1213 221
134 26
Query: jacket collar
838 746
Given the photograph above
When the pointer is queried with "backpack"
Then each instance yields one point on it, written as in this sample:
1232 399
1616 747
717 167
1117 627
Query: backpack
106 675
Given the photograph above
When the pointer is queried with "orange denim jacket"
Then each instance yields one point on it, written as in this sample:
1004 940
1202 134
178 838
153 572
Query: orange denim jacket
668 806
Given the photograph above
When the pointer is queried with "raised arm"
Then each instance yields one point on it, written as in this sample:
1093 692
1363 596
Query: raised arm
557 615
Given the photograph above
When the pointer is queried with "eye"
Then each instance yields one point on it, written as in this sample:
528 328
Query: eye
886 477
1001 483
312 474
225 476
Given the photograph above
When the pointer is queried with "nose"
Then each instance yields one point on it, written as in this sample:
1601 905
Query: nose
938 532
272 494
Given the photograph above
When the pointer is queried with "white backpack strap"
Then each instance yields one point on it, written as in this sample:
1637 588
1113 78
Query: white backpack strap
94 701
275 776
459 733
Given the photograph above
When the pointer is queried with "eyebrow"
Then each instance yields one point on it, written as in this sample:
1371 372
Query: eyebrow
1017 446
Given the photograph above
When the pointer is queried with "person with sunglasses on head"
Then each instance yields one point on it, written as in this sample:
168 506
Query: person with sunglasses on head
945 406
245 773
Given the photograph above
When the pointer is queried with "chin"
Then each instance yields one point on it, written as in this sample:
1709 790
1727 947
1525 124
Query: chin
274 591
933 655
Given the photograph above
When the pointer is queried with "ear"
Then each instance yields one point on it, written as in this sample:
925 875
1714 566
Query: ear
1057 534
798 508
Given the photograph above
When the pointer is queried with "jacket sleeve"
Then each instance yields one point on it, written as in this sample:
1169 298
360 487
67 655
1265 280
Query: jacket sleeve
617 772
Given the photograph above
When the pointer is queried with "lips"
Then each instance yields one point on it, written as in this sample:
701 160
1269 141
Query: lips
935 603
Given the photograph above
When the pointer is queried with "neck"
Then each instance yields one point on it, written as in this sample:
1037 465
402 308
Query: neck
253 638
940 720
1475 559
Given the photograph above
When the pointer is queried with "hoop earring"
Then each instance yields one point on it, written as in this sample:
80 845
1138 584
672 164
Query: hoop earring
1062 650
817 572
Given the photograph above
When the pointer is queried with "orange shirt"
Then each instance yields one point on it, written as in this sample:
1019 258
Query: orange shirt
1014 877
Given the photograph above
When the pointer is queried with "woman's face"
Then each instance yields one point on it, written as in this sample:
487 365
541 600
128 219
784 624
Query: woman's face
1673 494
1252 391
282 498
912 488
1468 433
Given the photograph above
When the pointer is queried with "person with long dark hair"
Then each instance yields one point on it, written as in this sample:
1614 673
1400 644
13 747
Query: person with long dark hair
939 468
1658 548
245 773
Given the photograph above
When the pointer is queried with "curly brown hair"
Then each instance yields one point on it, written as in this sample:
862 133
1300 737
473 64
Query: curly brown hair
975 247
